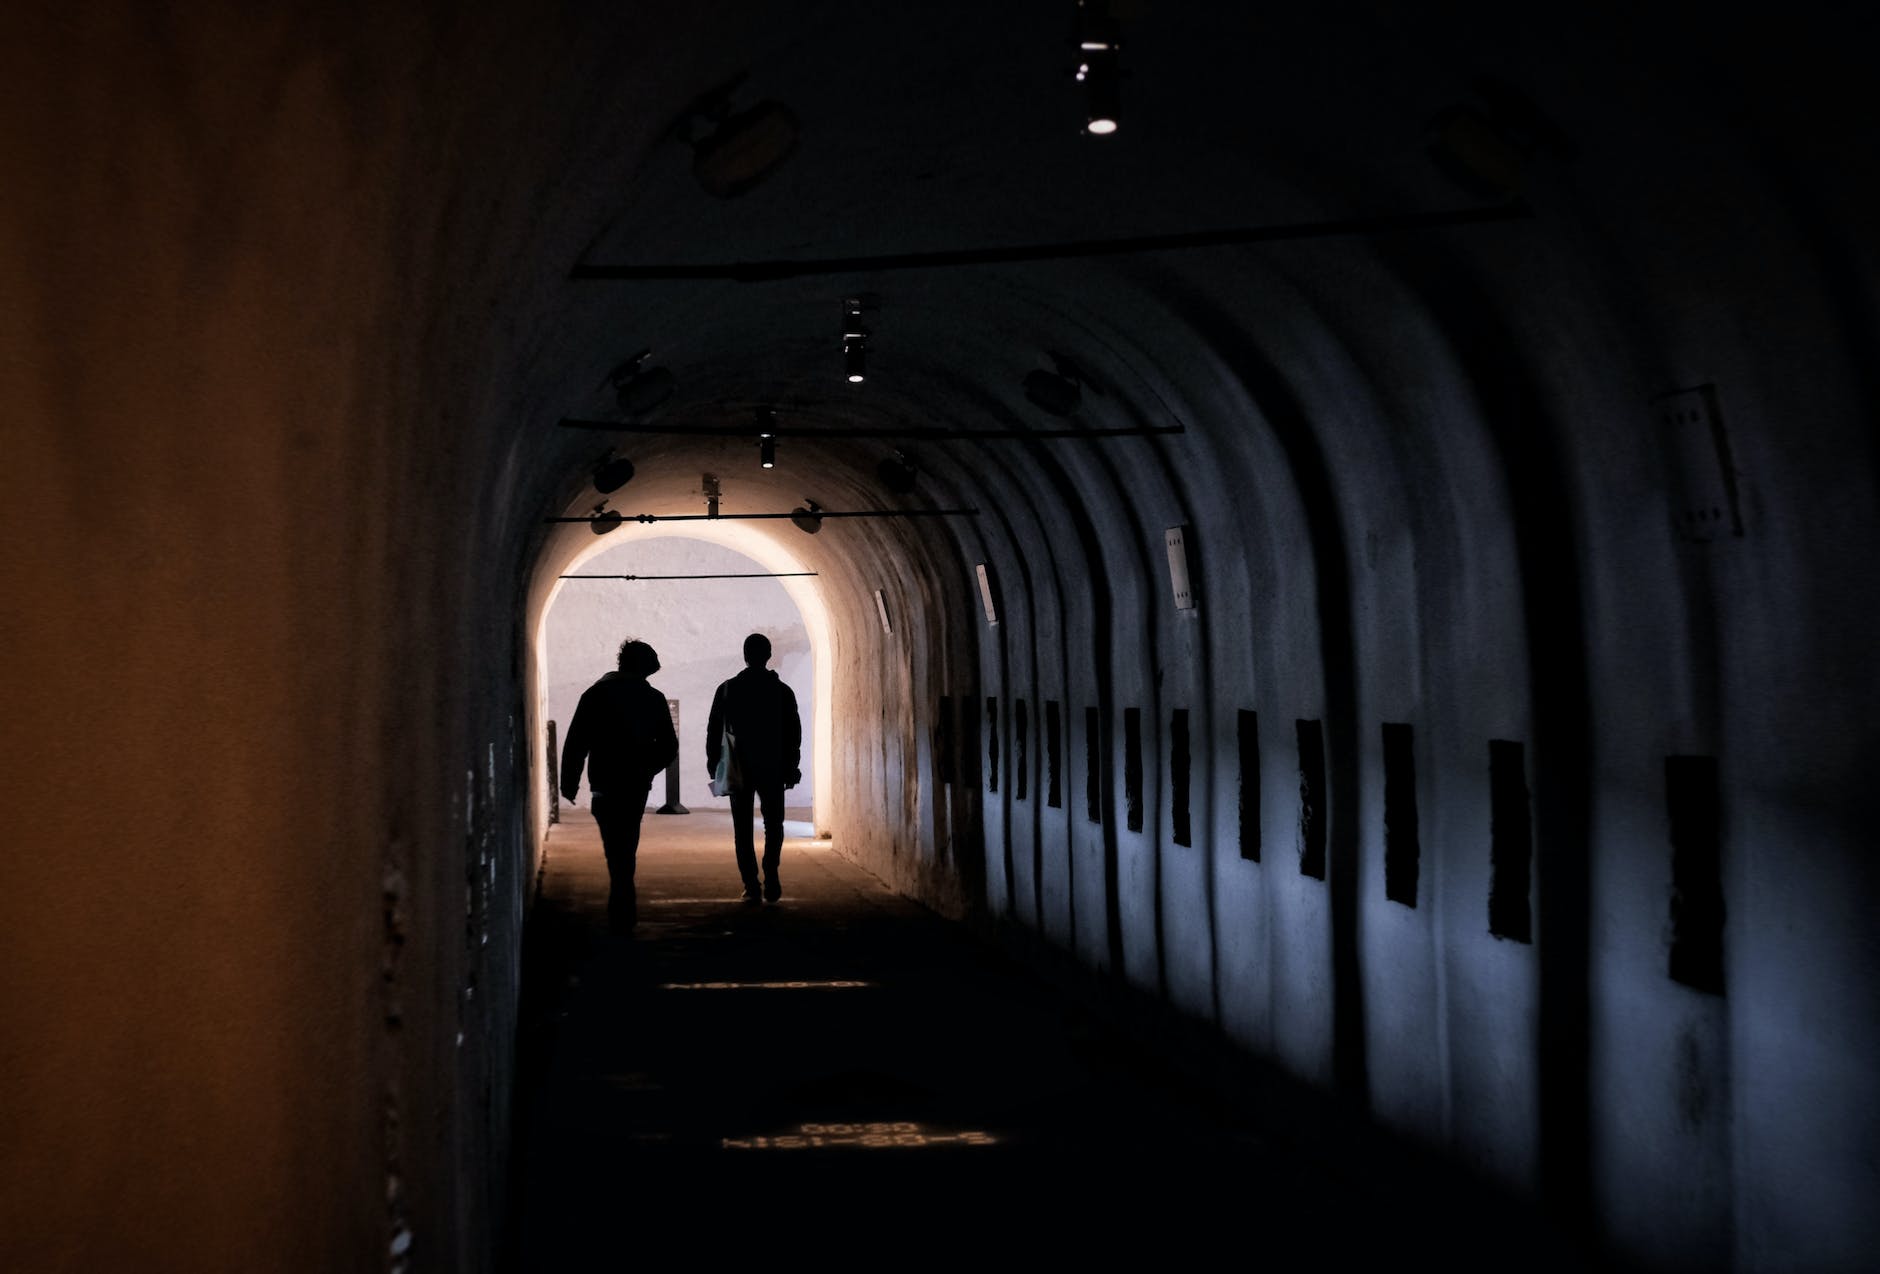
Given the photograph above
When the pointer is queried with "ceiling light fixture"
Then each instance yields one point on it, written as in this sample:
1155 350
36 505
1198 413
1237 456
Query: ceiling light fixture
1059 392
767 437
732 151
640 389
898 473
1098 43
612 473
807 517
854 339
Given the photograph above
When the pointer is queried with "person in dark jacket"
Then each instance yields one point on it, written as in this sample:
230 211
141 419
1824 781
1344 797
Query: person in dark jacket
760 711
623 732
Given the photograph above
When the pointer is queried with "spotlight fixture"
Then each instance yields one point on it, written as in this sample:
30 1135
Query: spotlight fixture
808 517
898 473
603 519
1059 392
640 389
611 474
1098 43
1059 395
735 149
767 437
854 340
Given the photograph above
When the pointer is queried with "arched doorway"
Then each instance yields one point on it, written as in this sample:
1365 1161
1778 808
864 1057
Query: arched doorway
697 625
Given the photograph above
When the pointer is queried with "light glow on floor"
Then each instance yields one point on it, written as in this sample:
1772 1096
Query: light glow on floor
894 1136
829 985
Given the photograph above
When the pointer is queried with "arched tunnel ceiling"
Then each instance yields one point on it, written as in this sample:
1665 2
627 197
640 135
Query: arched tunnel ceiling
960 128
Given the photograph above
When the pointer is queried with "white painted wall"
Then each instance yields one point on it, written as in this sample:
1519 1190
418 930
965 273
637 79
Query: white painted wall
697 626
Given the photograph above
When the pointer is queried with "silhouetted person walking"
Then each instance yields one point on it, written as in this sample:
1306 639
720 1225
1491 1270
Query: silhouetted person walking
767 746
623 731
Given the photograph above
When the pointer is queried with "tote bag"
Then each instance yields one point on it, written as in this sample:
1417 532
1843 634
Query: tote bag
727 776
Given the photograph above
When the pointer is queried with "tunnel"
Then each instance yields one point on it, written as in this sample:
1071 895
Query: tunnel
1338 539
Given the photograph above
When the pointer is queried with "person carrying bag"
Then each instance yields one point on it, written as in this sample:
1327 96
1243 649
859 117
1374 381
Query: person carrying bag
753 751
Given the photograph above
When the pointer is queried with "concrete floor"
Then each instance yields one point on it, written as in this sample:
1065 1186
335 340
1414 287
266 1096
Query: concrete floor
847 1077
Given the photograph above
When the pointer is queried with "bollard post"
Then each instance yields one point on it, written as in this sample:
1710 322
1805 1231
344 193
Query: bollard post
673 805
554 776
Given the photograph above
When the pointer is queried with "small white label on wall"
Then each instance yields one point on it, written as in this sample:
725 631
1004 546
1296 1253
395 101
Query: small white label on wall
985 595
881 607
1178 567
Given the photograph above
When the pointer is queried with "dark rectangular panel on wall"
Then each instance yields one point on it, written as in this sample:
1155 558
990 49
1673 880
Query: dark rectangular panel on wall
1053 726
968 740
1021 751
1249 785
943 740
1694 803
1311 798
1093 765
992 744
1510 843
1403 851
1178 765
1132 768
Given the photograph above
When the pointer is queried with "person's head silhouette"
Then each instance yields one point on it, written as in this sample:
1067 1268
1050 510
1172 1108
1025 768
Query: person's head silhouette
757 650
637 659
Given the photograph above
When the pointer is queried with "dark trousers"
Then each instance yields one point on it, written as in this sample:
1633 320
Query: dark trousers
743 835
618 816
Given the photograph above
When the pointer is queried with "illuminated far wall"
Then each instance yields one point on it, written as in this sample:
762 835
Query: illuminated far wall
698 628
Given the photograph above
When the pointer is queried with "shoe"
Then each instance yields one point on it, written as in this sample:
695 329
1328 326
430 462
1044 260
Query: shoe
750 896
772 890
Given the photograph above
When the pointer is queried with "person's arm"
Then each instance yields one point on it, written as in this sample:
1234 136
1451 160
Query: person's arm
715 731
574 752
792 739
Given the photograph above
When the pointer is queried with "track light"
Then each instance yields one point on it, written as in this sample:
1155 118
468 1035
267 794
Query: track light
854 340
734 151
1098 42
611 475
898 473
767 437
1059 395
603 522
1060 392
808 517
638 388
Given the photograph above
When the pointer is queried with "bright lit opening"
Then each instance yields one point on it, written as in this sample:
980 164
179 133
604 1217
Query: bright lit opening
698 628
1101 127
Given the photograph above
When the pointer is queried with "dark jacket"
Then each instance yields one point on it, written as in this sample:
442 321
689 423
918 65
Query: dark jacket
761 710
623 731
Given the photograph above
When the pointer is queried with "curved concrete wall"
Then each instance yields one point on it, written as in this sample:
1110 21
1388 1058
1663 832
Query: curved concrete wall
289 323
